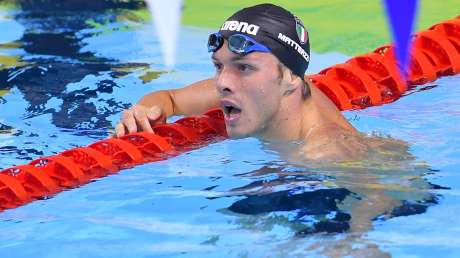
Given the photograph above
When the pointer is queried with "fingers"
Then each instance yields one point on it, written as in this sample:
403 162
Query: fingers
119 130
129 120
126 125
139 118
142 120
154 115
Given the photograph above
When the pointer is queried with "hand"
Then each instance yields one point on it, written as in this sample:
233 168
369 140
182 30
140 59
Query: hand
139 118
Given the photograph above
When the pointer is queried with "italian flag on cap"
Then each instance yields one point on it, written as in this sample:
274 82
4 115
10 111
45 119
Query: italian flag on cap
301 32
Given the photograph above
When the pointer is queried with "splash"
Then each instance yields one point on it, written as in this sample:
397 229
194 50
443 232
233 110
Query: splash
166 19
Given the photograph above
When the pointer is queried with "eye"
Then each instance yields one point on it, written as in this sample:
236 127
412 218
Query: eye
244 67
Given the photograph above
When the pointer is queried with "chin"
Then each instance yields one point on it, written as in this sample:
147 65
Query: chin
234 133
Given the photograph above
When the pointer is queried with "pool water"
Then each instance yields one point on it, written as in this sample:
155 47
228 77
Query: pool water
66 76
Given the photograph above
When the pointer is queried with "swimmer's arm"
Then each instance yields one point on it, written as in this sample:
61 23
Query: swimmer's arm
374 202
192 99
155 107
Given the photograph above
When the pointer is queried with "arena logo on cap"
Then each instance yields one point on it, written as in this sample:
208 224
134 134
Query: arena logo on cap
240 27
301 32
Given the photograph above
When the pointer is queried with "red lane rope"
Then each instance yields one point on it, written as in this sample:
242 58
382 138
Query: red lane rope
435 53
363 81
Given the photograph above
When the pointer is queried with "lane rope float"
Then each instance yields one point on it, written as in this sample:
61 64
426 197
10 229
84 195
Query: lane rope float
363 81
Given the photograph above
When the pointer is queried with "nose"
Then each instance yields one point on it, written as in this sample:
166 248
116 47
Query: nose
225 82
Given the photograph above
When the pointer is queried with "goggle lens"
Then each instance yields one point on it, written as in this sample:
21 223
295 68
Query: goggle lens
215 41
237 43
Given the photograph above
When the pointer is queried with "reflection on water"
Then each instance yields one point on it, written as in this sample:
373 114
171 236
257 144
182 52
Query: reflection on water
332 200
311 198
52 59
43 58
335 204
51 47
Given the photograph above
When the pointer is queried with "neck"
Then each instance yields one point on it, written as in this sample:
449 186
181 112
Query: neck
292 121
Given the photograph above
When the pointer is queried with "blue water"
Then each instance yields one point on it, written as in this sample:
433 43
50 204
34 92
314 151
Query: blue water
236 198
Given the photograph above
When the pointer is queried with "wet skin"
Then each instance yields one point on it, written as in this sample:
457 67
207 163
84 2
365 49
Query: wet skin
268 105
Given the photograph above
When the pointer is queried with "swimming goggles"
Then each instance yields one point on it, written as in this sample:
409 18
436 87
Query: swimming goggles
237 43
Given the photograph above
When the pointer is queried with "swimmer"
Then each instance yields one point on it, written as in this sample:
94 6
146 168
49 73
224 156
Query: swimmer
260 55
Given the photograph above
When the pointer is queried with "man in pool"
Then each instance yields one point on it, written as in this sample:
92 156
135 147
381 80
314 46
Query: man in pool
260 54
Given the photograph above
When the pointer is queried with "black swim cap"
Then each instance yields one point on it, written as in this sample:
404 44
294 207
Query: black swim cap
276 28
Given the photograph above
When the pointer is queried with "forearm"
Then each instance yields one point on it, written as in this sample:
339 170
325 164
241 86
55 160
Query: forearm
193 99
163 99
372 204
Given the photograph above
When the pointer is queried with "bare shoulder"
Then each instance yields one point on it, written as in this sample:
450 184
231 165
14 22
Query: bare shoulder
334 143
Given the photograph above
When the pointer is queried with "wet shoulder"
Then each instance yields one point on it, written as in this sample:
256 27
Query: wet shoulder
334 143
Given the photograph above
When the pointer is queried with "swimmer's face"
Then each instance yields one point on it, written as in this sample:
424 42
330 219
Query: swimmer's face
250 92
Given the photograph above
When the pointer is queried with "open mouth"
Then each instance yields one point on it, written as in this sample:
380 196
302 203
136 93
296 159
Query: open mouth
231 110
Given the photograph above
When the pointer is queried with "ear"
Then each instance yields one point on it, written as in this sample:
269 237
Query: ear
289 82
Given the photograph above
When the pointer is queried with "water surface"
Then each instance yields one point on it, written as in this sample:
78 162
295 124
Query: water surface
64 78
